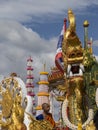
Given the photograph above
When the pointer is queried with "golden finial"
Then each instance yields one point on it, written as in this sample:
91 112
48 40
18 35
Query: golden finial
86 23
71 19
70 11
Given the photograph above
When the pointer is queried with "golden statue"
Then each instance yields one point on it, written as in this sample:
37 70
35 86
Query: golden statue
73 68
7 103
71 47
12 113
39 125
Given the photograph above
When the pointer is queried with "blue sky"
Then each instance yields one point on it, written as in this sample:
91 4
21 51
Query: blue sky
53 27
29 27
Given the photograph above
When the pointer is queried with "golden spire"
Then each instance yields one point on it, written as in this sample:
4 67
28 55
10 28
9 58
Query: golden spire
86 23
44 66
71 18
44 70
72 24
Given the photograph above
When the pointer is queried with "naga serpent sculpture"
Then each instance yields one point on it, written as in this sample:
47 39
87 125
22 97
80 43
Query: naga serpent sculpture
78 102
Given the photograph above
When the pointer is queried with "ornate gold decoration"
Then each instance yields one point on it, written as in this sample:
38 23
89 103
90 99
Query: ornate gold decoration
73 67
9 89
17 115
12 113
39 125
71 47
88 59
7 103
76 90
70 124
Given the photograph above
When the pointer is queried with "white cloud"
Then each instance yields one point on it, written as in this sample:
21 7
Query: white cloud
96 57
95 43
27 10
17 43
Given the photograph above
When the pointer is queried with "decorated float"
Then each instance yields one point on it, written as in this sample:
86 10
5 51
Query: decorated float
73 82
75 77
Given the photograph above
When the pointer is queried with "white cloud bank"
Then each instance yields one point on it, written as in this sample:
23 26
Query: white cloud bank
26 10
95 43
17 43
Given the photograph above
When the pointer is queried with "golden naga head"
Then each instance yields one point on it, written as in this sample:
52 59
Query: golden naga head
71 47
